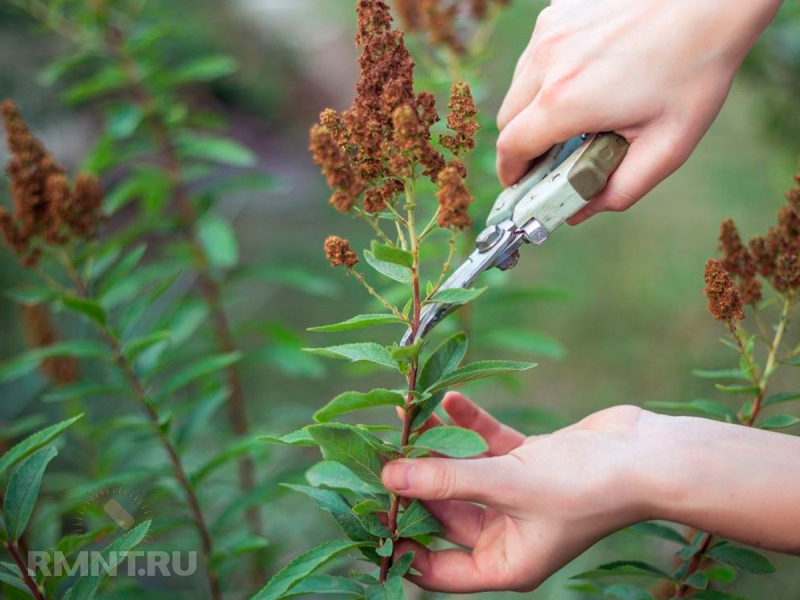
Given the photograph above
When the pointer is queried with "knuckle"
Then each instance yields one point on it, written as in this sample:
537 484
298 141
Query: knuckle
446 483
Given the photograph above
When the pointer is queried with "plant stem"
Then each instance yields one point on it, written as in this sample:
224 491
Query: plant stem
138 389
408 416
209 288
761 380
373 292
14 551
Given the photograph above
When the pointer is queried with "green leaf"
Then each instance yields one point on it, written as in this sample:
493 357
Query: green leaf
714 408
697 580
113 555
14 581
29 361
392 254
441 362
351 401
626 591
359 322
135 347
336 476
199 369
416 520
219 241
742 559
348 446
104 81
216 149
337 506
778 421
390 270
407 354
206 68
660 531
737 389
23 490
325 584
366 351
386 548
77 391
236 449
33 442
301 437
452 441
123 120
30 295
456 295
479 370
525 341
781 397
391 589
90 308
620 568
368 507
721 574
401 565
717 595
301 567
720 374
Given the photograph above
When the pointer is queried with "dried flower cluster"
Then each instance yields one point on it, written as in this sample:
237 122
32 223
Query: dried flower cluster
339 253
47 209
444 22
724 301
384 140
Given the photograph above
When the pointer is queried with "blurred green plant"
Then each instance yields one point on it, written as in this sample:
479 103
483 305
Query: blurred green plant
706 562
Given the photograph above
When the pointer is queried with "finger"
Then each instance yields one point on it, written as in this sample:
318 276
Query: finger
651 158
462 521
500 438
482 480
530 134
522 92
453 571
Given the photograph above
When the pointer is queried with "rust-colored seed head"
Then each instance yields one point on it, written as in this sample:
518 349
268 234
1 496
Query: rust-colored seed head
724 301
462 120
339 253
739 262
454 199
337 168
47 209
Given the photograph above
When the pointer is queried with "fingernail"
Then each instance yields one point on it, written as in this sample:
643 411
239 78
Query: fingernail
399 476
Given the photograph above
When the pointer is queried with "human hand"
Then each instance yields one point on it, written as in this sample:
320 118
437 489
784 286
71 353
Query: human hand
657 73
547 498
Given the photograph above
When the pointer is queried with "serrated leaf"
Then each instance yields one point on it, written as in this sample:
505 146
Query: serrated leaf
335 504
221 150
392 254
301 437
33 443
363 351
205 68
445 359
23 490
416 520
113 555
352 401
704 407
455 442
479 370
456 295
660 531
325 584
391 589
199 369
778 422
301 567
15 582
336 476
390 270
621 568
347 445
742 559
90 308
781 397
359 322
219 241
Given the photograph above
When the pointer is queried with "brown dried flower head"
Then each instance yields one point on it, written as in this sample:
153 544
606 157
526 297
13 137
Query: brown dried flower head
739 262
339 253
47 209
724 301
454 198
462 120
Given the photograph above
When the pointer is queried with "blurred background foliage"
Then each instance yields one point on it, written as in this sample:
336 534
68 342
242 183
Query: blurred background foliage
617 306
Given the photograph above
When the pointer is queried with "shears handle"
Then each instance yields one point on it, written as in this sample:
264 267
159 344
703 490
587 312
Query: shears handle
561 182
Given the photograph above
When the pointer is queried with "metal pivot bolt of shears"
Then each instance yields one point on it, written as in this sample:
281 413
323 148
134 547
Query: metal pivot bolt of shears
558 186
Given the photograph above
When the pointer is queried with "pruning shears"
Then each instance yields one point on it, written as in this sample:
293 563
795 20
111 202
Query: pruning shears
560 183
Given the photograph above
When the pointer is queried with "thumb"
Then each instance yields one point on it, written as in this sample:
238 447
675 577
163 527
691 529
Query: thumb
483 480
